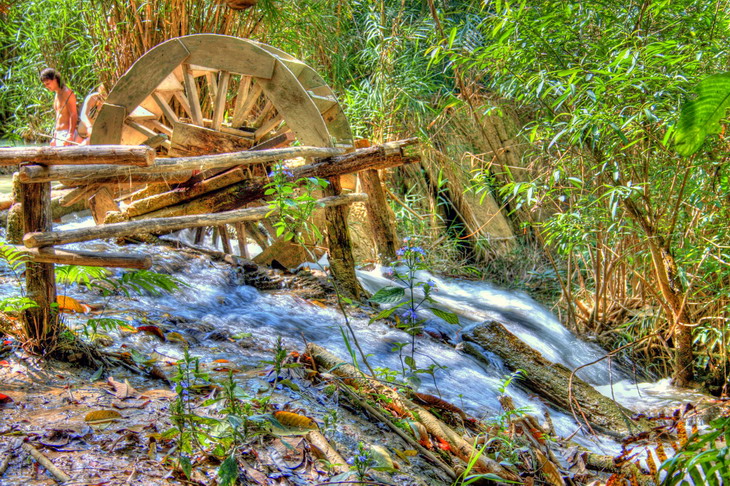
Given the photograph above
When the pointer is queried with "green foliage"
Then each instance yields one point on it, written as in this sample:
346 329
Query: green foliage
15 261
701 460
292 203
702 116
408 300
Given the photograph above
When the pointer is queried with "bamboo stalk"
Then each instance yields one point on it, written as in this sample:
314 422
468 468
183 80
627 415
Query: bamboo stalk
161 225
45 462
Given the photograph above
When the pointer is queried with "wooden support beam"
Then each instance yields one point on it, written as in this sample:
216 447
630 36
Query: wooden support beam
219 106
164 177
87 258
241 238
40 323
244 110
381 226
161 225
244 87
79 155
342 263
36 173
268 126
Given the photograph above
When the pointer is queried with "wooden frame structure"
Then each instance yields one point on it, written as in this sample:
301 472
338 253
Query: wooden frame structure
205 155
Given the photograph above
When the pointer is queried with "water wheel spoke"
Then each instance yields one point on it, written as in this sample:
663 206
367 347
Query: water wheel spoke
183 102
268 126
165 107
191 90
219 107
253 97
263 114
212 81
244 86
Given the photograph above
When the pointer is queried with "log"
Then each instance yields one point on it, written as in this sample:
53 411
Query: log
248 191
381 227
322 448
151 178
36 173
182 194
87 258
45 462
241 238
100 203
551 380
79 155
161 225
39 323
460 447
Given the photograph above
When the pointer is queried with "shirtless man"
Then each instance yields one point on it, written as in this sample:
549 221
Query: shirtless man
64 104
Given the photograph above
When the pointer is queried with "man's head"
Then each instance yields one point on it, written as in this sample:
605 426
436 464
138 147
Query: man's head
51 79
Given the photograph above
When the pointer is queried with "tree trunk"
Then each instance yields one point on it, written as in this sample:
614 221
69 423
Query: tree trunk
381 225
551 380
342 263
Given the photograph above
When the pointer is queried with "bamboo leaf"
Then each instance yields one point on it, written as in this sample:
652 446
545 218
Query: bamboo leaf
702 116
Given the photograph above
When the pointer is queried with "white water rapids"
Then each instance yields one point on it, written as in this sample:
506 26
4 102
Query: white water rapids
214 306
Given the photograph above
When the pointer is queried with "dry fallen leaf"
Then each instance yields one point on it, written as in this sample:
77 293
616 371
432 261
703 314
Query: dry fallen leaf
102 416
122 390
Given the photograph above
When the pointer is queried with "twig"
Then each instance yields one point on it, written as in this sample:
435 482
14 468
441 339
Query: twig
45 462
375 413
6 462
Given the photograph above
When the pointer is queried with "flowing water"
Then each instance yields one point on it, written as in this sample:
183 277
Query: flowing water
214 306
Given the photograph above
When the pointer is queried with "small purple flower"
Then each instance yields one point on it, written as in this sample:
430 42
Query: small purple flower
431 283
351 461
272 173
387 272
362 459
287 172
410 315
401 251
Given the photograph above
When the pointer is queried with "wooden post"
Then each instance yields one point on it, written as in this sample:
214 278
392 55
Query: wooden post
199 235
40 323
381 226
342 263
225 241
241 237
14 224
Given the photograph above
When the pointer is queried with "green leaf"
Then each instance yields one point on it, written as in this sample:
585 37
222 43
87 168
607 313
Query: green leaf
449 317
186 466
384 314
388 295
228 471
702 116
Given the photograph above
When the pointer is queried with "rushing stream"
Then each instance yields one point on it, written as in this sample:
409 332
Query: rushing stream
214 306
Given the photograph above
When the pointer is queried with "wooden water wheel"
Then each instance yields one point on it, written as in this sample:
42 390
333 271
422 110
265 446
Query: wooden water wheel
211 93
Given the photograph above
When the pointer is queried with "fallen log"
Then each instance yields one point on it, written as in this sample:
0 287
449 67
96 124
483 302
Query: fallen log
182 194
161 225
135 178
552 380
87 258
37 173
238 195
460 447
136 155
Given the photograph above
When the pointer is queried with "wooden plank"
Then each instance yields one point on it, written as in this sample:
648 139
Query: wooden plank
242 113
191 90
184 103
76 195
85 174
190 140
219 107
147 132
229 54
237 132
225 239
100 203
263 114
78 155
87 258
148 72
382 228
244 87
268 126
108 125
170 84
162 127
161 225
297 108
165 107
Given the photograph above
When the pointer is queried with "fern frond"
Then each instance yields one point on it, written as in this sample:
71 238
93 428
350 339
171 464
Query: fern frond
702 116
14 257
